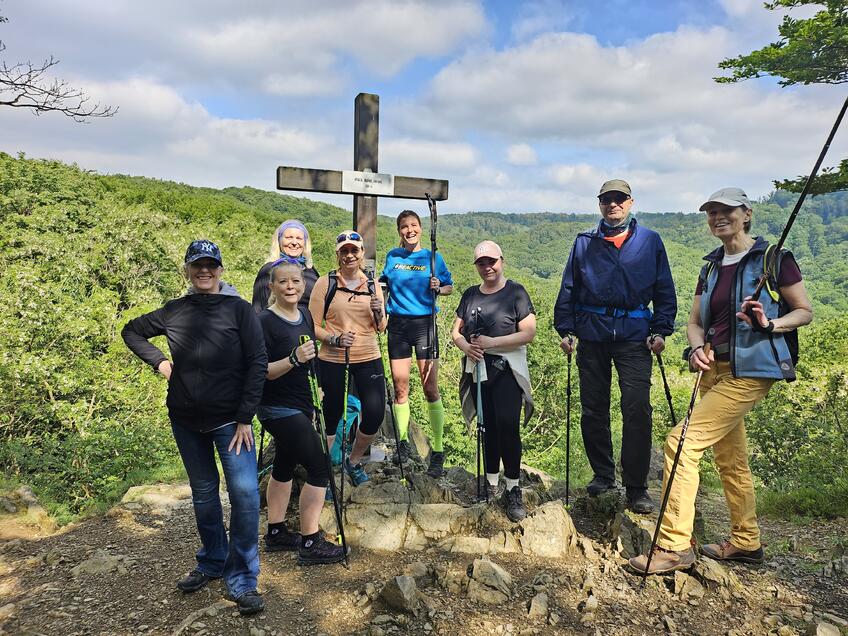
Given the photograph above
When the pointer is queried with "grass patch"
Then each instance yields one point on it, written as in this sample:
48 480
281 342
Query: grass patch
170 471
828 501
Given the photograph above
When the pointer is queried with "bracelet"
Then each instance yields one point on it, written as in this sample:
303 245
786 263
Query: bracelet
689 351
334 340
293 358
756 326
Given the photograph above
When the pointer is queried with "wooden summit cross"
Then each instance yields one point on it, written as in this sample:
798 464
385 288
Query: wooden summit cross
364 182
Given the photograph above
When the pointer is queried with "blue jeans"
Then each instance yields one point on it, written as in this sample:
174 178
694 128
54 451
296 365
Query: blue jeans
237 560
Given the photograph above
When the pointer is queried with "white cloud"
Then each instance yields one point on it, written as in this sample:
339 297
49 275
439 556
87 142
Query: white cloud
521 155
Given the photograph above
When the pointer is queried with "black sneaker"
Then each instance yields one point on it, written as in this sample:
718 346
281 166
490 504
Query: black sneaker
599 486
437 463
403 452
250 603
282 540
193 581
639 502
514 503
317 551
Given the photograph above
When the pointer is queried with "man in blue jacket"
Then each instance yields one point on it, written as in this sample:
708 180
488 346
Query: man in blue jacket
614 272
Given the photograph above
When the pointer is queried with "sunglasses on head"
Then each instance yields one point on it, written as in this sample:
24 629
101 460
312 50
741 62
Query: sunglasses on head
613 197
348 236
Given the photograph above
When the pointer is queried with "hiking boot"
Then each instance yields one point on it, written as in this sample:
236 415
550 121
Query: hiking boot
403 451
193 581
437 464
639 502
356 473
282 540
726 551
514 504
328 495
319 550
250 603
664 561
599 486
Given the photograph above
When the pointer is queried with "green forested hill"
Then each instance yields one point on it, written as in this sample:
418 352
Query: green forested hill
81 253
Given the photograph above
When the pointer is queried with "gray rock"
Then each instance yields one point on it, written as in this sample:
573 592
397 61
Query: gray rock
437 521
492 575
101 562
538 606
822 628
420 572
504 542
485 594
386 492
833 618
669 624
466 545
590 605
380 528
548 532
8 506
709 572
6 611
633 531
401 593
588 549
430 491
453 579
162 499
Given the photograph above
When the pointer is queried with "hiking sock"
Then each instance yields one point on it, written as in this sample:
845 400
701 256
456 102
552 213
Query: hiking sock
275 528
402 419
437 424
510 483
307 540
492 478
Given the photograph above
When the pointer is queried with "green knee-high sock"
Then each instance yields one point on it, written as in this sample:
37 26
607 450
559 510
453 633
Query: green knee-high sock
402 419
437 423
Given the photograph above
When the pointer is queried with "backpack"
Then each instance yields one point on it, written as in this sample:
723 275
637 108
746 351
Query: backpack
333 287
346 423
783 308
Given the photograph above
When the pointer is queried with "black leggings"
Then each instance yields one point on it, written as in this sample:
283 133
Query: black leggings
297 442
502 400
370 389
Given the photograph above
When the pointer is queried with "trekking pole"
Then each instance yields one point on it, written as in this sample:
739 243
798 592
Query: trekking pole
344 419
315 390
481 424
673 470
761 283
665 386
389 400
568 428
434 335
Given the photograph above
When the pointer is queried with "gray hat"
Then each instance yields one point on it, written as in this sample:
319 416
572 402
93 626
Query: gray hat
734 197
615 185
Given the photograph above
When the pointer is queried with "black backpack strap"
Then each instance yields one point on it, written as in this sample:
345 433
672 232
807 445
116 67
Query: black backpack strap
332 286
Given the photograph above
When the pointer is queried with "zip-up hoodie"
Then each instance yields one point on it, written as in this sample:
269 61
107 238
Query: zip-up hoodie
752 354
219 359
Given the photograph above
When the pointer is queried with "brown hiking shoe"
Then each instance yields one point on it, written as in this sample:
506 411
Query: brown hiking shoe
726 551
664 561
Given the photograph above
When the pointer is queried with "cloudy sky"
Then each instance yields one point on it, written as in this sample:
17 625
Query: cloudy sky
523 106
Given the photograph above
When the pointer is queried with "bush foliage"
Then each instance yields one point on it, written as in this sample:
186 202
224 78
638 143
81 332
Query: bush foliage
81 253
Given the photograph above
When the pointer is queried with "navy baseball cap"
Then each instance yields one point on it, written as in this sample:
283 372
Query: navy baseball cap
203 249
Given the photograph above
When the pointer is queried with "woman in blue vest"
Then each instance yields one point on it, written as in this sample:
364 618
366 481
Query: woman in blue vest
412 289
750 351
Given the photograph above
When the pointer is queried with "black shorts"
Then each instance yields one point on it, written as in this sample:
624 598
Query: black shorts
410 332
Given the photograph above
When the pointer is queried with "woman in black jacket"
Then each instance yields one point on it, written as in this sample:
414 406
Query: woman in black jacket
214 386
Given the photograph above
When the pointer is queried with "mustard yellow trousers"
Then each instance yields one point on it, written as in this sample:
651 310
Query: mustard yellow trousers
718 422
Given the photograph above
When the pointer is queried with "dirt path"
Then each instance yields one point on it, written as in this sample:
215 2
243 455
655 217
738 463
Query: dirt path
139 551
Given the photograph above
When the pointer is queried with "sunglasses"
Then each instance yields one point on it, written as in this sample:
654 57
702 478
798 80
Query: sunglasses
348 236
613 197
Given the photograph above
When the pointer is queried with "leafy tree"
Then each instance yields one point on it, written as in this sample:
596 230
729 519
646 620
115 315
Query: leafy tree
810 51
28 85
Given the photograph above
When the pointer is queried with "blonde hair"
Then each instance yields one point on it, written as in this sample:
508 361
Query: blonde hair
276 250
272 274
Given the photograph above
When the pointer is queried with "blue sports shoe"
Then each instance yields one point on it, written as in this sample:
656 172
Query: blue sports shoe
356 473
328 496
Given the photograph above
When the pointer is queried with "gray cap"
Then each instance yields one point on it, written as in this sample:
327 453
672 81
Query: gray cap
734 197
615 185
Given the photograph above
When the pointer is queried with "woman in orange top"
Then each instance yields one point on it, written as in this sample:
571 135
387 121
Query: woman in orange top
352 319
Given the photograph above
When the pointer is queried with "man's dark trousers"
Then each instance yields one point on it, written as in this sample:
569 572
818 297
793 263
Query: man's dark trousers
633 363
